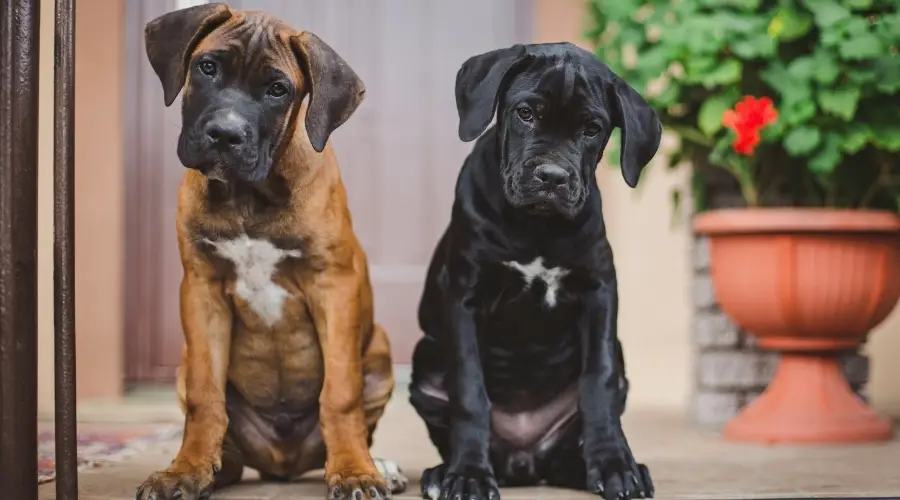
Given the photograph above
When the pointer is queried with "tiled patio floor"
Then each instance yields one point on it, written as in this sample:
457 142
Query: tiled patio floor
686 463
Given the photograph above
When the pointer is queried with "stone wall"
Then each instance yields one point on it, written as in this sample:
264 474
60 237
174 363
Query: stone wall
729 370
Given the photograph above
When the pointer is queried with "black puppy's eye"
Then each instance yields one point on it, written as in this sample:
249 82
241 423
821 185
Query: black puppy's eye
208 68
592 130
525 114
278 90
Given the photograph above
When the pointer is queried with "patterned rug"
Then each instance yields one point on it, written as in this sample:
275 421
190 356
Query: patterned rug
100 449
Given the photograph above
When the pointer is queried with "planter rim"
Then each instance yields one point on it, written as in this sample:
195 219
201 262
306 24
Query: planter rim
779 220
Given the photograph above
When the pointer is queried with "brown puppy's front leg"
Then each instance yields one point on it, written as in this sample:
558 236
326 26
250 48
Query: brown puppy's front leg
206 319
339 305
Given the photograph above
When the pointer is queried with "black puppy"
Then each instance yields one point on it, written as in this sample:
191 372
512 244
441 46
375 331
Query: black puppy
520 376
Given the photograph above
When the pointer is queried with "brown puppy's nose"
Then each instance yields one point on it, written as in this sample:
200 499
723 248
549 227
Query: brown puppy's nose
226 131
551 175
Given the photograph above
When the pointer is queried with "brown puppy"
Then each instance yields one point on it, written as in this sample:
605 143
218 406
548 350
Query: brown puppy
283 368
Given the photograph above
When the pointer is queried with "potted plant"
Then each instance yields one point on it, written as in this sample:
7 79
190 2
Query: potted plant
797 102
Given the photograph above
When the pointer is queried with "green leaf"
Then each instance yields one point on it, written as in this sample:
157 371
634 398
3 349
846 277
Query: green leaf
826 12
674 159
802 68
888 70
758 46
655 59
675 214
858 4
703 35
696 67
709 118
789 24
801 141
862 46
798 111
826 70
774 132
887 138
728 72
840 103
740 4
828 157
782 81
856 138
861 76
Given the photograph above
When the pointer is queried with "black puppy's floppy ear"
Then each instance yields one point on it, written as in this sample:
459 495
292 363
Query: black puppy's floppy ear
335 91
171 38
478 84
641 129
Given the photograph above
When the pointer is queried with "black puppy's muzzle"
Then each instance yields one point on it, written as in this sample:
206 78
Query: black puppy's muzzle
552 178
547 185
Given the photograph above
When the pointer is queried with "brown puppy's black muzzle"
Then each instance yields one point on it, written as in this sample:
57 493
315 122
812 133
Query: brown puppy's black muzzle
227 134
224 142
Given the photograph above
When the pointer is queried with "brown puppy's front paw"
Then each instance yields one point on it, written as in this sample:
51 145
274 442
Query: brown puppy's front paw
352 486
176 485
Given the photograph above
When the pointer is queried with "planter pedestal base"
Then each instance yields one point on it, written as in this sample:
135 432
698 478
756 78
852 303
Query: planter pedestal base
808 401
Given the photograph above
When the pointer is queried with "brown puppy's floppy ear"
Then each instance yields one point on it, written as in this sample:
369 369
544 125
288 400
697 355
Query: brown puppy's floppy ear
171 38
641 129
335 91
478 84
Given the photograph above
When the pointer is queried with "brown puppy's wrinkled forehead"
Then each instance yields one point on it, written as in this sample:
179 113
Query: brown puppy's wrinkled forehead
254 43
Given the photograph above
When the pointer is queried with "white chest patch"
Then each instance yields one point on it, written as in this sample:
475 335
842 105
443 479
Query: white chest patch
552 277
254 264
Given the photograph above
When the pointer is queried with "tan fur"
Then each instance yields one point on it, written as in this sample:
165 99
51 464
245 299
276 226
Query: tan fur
325 352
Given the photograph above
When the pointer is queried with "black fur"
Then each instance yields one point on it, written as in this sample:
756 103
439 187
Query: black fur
496 344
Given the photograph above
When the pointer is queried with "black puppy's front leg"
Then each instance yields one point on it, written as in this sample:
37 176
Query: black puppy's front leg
469 475
611 468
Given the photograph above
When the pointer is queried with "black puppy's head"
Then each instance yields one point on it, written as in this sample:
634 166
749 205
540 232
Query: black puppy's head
245 75
556 106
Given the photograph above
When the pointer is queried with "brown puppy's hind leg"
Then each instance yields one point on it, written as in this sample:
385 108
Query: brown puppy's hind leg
378 387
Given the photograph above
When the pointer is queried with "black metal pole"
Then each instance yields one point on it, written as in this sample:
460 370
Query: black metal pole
19 38
64 250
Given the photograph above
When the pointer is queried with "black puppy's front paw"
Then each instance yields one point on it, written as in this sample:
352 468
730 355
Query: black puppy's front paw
471 483
615 475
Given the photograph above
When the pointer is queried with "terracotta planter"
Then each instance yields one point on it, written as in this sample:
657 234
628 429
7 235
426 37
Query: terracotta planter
807 283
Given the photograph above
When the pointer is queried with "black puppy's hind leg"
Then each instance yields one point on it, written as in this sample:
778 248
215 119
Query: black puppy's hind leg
435 412
429 398
623 380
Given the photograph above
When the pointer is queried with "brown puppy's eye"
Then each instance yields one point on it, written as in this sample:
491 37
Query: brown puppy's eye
525 114
592 130
208 68
278 90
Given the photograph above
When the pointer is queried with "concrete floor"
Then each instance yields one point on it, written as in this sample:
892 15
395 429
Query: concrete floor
686 462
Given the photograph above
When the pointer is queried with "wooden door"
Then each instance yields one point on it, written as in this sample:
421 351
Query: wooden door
399 154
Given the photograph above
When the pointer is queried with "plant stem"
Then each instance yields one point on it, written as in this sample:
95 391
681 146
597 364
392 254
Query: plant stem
744 177
884 177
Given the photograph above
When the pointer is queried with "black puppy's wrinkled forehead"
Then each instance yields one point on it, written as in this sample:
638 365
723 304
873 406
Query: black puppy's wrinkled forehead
567 76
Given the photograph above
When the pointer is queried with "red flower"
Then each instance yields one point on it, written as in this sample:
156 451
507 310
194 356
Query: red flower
746 120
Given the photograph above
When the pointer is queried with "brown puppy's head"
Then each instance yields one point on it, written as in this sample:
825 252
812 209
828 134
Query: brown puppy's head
245 75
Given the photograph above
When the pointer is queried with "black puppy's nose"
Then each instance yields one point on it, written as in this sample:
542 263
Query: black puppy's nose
227 131
551 175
